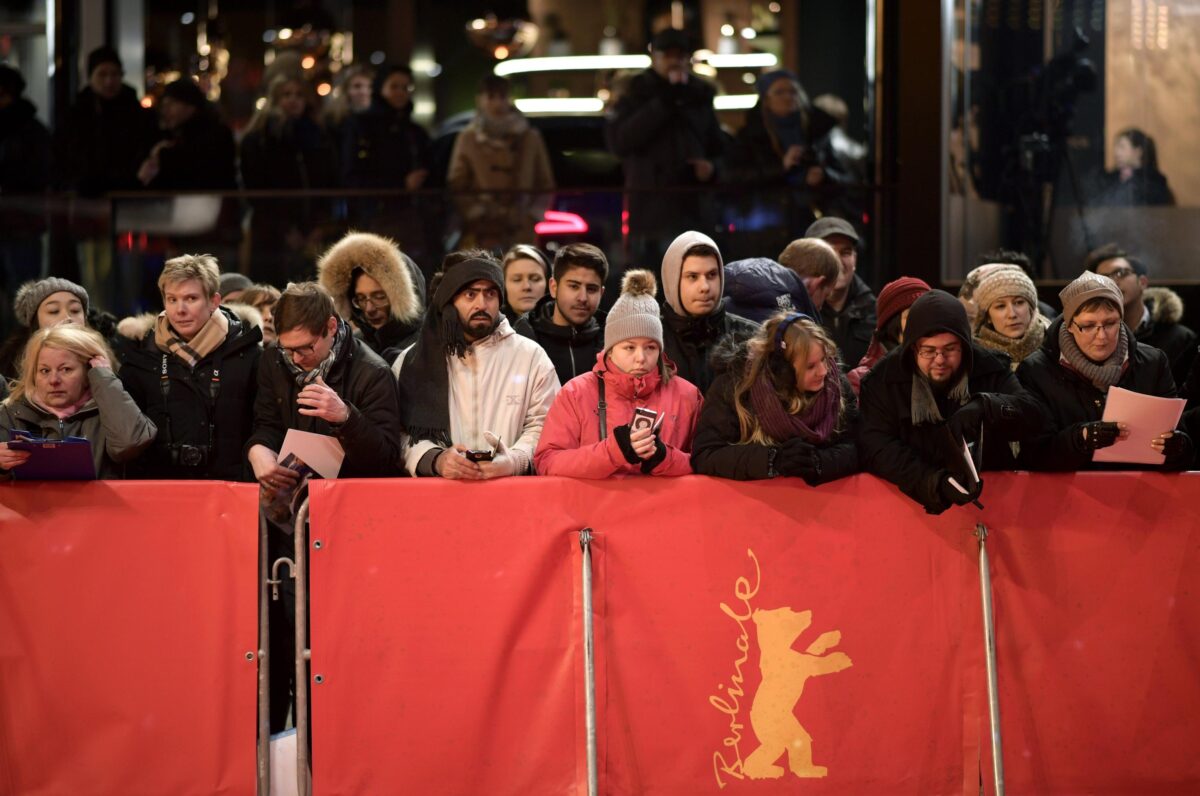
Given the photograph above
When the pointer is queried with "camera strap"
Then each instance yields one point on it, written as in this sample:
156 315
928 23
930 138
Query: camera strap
602 407
214 390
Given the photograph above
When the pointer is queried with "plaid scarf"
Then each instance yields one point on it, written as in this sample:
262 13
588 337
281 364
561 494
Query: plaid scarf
303 376
207 340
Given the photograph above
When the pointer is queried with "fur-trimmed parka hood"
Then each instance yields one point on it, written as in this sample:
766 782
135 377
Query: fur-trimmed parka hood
1166 306
383 261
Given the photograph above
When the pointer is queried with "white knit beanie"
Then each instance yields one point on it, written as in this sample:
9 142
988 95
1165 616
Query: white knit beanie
635 313
1007 280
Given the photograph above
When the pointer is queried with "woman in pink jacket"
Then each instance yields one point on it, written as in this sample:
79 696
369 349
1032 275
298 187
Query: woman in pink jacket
591 430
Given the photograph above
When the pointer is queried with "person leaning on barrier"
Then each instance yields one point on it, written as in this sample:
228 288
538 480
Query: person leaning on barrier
781 406
922 400
67 388
694 315
194 374
470 382
568 323
1087 351
592 430
320 378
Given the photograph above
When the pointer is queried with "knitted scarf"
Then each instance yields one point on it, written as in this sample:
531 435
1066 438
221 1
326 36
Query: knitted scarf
1103 375
207 340
924 404
340 338
1018 348
814 425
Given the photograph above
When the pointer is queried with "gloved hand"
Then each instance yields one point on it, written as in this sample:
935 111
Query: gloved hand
502 463
953 496
1098 434
621 435
984 407
799 458
1178 451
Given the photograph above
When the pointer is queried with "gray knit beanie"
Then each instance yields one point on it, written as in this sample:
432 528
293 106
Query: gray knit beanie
1007 280
1087 286
32 294
635 313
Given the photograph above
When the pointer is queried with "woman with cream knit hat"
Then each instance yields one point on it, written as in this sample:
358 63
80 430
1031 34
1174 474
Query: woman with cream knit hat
1007 319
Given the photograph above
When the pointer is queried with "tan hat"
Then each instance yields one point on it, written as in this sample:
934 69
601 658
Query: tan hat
1087 286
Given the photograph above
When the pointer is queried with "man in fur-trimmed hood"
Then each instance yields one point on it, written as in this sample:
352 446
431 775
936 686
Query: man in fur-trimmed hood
376 287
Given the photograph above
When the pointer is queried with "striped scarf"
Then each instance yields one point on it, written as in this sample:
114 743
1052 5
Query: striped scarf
207 340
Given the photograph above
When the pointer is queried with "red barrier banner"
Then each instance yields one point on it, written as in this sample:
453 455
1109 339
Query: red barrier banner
127 612
1096 581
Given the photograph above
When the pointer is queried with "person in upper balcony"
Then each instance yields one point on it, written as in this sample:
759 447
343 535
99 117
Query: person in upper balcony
500 171
1135 181
198 152
667 135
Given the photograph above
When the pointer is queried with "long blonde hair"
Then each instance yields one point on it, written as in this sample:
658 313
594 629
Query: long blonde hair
78 340
764 353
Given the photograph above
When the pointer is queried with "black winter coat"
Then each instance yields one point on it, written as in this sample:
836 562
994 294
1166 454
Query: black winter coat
689 342
371 435
851 329
912 457
390 339
758 288
187 415
24 150
716 450
201 159
295 154
105 141
380 146
656 128
1068 400
572 350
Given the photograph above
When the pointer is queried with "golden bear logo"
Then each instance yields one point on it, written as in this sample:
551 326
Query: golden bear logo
784 674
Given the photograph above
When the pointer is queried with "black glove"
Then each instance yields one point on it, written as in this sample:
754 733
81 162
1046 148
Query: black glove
1178 450
1098 434
621 434
984 407
799 458
951 495
656 458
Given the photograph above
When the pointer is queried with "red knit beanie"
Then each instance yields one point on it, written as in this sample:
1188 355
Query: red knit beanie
896 297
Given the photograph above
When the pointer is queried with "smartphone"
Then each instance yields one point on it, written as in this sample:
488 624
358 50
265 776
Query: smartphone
479 456
644 418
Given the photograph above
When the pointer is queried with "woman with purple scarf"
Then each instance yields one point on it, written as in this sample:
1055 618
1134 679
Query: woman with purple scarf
780 406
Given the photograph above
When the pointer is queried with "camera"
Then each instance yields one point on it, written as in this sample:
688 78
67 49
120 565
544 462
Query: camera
189 455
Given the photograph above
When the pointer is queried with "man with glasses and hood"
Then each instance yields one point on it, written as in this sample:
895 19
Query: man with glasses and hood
927 399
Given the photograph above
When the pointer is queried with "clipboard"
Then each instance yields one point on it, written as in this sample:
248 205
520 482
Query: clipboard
67 459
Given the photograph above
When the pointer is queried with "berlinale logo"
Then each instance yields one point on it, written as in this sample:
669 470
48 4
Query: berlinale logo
784 674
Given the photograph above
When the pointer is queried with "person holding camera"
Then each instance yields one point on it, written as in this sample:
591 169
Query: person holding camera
632 414
781 406
193 374
67 388
473 393
925 401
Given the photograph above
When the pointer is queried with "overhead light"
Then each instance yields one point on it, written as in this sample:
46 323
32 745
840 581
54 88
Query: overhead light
742 60
557 222
749 33
727 30
501 52
559 105
323 89
570 63
285 33
478 24
734 102
187 18
308 62
774 8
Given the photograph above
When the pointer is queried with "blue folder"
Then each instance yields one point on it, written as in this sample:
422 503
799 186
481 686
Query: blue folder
67 459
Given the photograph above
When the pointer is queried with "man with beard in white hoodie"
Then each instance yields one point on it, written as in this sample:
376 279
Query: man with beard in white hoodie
473 393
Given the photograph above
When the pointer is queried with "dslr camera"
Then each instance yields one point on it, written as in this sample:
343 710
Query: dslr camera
189 455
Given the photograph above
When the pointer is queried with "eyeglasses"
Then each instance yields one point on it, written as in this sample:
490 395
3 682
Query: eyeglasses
302 350
1117 274
379 299
928 353
1090 329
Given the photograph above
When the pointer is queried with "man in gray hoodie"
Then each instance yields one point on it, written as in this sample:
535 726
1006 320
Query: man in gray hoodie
694 316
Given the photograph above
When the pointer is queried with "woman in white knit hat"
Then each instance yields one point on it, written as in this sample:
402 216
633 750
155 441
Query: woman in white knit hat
593 429
1007 318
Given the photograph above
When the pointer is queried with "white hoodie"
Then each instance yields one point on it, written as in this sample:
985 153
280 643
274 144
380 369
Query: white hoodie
504 384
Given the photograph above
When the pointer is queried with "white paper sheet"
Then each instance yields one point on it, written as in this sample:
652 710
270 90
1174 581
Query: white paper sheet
323 454
1147 418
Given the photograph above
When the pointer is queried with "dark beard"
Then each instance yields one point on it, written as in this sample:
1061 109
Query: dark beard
454 334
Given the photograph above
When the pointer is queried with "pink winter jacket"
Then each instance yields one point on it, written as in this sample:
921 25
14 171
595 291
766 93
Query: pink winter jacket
570 444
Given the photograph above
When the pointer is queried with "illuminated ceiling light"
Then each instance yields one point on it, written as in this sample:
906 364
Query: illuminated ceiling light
260 103
702 55
478 24
559 105
727 29
734 102
323 89
147 101
434 70
308 62
704 70
774 8
188 18
749 33
268 36
500 52
285 33
742 60
568 63
748 78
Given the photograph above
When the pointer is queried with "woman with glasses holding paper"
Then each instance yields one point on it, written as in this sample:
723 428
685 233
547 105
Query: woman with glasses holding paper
1088 351
67 388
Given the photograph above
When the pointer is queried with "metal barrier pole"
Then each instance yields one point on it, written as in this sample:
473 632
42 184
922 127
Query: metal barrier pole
264 663
303 783
589 663
989 636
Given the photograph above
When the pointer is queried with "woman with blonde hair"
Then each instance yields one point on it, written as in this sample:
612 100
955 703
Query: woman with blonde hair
67 388
781 406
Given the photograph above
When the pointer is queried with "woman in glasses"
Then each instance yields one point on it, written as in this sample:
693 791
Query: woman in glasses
1087 351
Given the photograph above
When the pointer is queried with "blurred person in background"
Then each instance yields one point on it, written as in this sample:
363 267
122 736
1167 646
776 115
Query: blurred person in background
197 152
526 275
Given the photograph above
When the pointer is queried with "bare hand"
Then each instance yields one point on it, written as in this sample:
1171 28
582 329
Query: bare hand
792 157
320 400
643 442
265 463
12 458
815 176
1159 442
453 465
100 361
703 168
415 179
